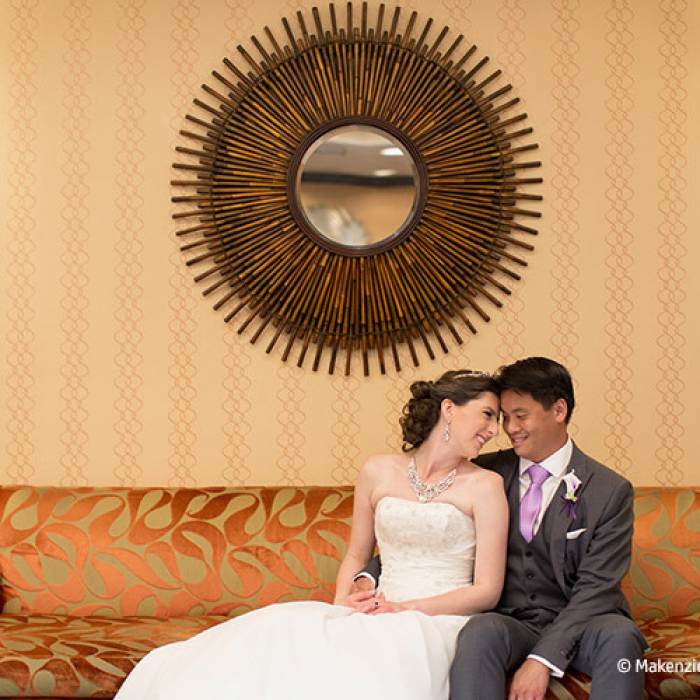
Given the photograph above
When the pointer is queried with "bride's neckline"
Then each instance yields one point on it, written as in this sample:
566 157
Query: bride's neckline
424 505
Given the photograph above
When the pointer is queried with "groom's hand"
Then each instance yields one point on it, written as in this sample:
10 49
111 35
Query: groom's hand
361 596
530 681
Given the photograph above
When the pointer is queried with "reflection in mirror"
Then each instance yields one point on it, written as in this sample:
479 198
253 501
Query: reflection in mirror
357 185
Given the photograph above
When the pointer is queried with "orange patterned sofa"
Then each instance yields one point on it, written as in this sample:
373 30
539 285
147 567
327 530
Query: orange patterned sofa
92 578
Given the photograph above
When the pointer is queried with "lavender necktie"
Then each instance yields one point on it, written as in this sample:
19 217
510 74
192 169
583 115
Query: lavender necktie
532 501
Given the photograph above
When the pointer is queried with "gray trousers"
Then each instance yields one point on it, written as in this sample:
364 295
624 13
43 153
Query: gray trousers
491 646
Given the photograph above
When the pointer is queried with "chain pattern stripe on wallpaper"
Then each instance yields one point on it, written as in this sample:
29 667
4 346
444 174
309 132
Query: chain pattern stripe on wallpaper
511 15
397 396
182 324
416 290
290 418
21 249
670 340
565 160
130 202
237 406
238 21
75 235
460 12
345 429
237 384
619 238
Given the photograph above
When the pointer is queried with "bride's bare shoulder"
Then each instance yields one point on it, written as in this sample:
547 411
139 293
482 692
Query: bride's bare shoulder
381 464
479 488
484 479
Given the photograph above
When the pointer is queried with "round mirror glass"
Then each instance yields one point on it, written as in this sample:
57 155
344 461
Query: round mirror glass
357 185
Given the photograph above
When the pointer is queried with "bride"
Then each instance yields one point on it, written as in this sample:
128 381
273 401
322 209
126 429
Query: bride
440 522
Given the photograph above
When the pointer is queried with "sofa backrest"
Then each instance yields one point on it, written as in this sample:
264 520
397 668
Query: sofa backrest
178 551
168 551
664 578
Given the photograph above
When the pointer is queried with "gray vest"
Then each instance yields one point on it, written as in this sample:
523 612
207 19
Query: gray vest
531 592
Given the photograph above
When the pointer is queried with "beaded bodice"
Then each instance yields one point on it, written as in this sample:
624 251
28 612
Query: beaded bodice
426 548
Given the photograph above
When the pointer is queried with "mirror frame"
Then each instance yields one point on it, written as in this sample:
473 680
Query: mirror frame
386 243
248 242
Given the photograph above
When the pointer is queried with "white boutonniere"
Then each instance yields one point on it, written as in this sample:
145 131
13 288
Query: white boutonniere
572 483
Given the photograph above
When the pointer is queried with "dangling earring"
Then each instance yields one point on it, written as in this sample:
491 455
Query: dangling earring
446 433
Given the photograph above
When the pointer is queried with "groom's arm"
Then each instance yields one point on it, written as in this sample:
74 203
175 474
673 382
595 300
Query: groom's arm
362 595
597 589
371 572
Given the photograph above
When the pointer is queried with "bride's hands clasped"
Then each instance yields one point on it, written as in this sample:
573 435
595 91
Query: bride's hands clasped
364 599
382 605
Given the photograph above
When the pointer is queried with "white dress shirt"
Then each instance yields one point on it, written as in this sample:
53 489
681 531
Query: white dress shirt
556 465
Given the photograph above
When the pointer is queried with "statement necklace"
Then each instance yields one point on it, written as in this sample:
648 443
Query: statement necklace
426 492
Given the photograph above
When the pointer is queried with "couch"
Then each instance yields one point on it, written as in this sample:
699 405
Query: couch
93 578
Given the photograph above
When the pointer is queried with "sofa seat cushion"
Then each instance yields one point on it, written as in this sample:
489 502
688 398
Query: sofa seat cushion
671 640
675 642
62 656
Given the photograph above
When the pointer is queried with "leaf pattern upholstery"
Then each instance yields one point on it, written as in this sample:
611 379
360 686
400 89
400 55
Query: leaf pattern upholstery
168 552
65 656
93 578
664 577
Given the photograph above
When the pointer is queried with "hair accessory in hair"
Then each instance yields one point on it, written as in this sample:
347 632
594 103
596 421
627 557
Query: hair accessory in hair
471 373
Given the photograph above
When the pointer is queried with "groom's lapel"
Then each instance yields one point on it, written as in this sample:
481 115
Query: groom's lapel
511 477
511 484
558 518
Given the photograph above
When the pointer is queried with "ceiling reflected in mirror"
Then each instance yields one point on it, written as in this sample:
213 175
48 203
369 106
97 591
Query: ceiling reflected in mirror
357 186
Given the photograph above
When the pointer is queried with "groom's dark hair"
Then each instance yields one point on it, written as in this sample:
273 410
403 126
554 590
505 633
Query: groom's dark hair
545 380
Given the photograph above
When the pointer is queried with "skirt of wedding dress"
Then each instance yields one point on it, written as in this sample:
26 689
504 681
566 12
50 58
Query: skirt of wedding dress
304 650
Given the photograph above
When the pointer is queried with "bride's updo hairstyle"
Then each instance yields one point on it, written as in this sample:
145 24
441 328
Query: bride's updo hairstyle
422 411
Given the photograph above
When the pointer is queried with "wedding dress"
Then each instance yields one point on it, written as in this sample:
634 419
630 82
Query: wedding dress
313 651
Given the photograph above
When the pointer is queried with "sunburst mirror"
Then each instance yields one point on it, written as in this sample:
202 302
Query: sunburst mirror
356 191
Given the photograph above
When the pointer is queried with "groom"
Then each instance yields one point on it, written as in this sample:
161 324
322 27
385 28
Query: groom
569 546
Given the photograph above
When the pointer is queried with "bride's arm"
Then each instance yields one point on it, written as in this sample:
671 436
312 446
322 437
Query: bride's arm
491 523
362 539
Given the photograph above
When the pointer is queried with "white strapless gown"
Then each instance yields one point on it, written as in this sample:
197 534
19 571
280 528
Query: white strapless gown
314 651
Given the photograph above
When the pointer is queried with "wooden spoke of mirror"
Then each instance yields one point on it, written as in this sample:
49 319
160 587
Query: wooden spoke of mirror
455 256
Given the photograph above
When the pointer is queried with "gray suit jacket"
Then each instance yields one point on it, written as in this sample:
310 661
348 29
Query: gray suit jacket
588 569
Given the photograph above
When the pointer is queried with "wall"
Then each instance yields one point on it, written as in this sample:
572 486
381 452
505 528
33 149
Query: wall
116 370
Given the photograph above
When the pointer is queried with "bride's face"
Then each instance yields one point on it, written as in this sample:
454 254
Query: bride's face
473 424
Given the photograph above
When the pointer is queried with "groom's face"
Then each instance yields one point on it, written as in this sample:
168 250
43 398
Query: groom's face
535 432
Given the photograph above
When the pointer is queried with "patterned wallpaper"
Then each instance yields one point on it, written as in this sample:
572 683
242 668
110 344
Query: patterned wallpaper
115 370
